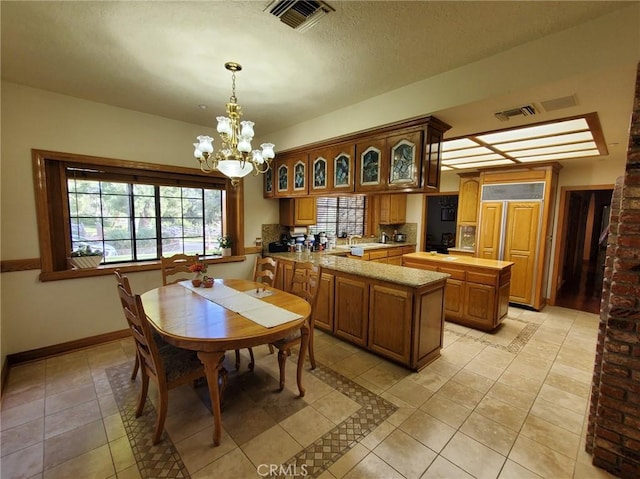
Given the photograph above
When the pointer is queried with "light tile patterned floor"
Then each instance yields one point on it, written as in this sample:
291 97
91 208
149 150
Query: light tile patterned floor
505 405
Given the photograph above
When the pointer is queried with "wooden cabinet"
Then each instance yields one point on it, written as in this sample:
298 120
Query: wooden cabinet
477 291
351 308
284 275
298 211
393 209
291 177
467 216
384 254
341 168
319 171
390 320
372 165
323 313
405 154
468 198
490 230
268 187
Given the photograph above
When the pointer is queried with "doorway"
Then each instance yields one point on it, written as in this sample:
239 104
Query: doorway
440 222
579 264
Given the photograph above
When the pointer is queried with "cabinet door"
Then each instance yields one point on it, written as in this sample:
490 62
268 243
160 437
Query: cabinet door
520 246
299 176
454 298
390 322
431 162
268 190
372 164
283 184
468 200
318 172
393 209
323 311
405 152
351 316
341 169
285 273
490 229
397 260
298 211
479 305
291 176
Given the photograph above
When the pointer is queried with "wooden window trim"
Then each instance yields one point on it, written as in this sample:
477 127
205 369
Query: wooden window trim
52 219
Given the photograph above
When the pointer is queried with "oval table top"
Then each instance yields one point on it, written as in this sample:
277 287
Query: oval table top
191 321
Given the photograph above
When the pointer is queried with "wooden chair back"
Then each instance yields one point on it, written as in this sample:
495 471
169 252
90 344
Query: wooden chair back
176 268
305 282
141 331
265 270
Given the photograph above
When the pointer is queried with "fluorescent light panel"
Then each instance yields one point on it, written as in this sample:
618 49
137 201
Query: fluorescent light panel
546 141
468 159
458 144
587 145
535 131
484 163
479 150
560 156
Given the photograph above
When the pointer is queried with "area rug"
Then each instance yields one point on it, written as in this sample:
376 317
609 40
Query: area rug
256 392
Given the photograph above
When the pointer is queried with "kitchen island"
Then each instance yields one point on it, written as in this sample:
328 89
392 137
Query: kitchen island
390 310
477 292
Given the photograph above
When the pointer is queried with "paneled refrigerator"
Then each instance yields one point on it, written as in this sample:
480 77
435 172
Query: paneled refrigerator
510 229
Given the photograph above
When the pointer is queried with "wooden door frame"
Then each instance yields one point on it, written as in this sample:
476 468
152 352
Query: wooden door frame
561 231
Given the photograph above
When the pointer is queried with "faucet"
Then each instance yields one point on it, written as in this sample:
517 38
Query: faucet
351 238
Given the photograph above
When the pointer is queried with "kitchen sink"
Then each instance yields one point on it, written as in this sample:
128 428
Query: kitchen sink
364 246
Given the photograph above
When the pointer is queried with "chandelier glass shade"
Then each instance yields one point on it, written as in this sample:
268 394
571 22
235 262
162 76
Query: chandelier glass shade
235 158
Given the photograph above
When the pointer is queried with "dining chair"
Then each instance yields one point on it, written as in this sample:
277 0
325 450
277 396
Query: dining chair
123 282
167 365
176 268
305 283
265 271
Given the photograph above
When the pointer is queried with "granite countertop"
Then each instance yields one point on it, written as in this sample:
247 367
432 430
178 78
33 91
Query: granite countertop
334 260
460 260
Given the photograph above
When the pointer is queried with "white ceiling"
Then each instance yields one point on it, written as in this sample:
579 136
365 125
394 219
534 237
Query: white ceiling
166 58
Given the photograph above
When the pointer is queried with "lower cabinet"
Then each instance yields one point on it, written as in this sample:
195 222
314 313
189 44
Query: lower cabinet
323 312
390 322
351 306
401 323
285 273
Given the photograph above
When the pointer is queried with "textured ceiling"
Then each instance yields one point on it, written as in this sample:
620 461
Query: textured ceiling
166 58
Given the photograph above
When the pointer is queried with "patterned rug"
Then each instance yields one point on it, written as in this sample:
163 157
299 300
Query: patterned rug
255 392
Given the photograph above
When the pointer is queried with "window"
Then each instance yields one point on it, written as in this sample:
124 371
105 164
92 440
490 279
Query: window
134 212
342 214
137 221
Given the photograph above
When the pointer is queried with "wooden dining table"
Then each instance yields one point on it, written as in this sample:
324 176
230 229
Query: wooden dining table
188 320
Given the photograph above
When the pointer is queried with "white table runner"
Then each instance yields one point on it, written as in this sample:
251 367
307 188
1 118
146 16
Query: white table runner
264 314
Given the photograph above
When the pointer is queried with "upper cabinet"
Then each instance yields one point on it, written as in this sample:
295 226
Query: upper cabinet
269 187
291 177
372 164
405 154
341 168
402 157
393 209
319 171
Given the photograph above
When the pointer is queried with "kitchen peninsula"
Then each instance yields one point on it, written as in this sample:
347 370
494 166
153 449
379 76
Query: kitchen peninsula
477 292
390 310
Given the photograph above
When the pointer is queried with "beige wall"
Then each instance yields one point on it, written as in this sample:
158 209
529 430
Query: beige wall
36 314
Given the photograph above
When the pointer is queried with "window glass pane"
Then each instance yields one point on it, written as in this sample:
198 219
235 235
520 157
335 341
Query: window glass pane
340 215
121 219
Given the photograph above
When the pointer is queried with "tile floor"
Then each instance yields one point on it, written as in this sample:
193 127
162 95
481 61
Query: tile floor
506 405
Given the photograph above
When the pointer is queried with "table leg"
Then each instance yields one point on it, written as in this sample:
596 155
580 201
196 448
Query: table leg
212 362
304 345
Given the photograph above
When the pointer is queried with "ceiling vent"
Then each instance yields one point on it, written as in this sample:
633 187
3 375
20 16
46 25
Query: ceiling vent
559 103
300 15
526 110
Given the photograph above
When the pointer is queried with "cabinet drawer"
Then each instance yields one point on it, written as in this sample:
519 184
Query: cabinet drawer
408 249
395 252
377 254
481 278
455 273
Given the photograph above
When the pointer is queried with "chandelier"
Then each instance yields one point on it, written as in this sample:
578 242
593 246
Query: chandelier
235 158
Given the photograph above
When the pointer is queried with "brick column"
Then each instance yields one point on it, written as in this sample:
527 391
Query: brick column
614 421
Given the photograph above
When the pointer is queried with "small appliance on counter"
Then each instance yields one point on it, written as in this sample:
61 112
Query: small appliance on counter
399 237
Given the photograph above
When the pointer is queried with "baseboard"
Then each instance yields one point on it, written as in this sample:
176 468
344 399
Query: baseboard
62 348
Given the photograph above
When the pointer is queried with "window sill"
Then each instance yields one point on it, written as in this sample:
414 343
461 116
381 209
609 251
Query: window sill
106 270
